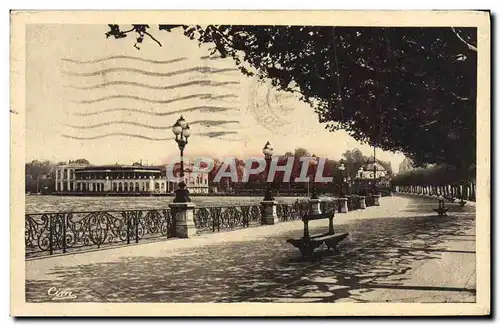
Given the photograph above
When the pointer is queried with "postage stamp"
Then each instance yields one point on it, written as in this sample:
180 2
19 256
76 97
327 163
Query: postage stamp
296 163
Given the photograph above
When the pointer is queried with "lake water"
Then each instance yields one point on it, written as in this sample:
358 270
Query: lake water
46 204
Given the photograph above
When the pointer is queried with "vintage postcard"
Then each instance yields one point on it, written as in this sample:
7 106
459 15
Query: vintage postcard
250 163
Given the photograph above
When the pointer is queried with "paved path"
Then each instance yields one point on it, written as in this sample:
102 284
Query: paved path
398 252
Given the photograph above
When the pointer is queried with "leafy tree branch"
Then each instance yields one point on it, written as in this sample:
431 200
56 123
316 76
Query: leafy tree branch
411 90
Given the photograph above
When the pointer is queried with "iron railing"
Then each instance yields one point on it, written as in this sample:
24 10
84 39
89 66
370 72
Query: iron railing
215 219
67 232
351 202
328 206
292 211
51 233
370 200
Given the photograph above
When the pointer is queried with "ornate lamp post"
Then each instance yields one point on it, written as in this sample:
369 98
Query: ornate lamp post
361 193
359 178
341 169
182 132
314 192
374 172
268 154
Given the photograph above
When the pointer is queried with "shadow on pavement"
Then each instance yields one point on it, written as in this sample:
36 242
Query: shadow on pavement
263 270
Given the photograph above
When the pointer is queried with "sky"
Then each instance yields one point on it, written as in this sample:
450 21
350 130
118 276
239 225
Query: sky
109 102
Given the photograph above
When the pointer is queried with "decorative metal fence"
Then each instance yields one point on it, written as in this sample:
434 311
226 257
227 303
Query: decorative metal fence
62 232
351 203
328 206
370 200
215 219
385 193
292 211
51 233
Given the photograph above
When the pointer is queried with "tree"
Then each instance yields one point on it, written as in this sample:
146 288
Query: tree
39 176
406 166
403 89
81 161
301 152
386 165
437 175
353 161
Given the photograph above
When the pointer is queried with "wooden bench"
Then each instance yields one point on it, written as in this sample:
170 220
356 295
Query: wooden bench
441 210
308 243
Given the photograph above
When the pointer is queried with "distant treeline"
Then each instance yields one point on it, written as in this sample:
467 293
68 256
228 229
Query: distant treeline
438 175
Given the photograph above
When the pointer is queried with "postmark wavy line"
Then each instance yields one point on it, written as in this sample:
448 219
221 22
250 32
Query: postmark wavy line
175 86
112 134
147 100
113 57
206 123
203 70
124 134
213 123
215 134
204 108
208 57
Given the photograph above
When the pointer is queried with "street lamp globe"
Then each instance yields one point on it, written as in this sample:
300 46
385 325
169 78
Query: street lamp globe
182 122
177 129
267 150
182 132
314 160
186 131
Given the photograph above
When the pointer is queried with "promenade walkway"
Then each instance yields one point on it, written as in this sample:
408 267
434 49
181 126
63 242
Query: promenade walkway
397 252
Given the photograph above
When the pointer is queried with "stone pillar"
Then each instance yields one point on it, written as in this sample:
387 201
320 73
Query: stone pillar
183 217
375 200
269 212
362 202
342 202
151 184
315 206
68 179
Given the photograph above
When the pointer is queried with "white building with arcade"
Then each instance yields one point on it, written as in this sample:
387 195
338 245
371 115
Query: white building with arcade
76 178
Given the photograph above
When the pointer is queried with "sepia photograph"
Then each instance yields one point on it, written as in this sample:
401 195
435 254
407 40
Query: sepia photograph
250 163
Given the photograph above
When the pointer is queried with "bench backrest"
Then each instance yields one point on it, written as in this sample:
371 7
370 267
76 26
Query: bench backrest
311 217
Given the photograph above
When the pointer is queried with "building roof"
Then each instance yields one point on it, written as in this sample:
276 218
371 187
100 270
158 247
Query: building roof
118 168
369 167
73 165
